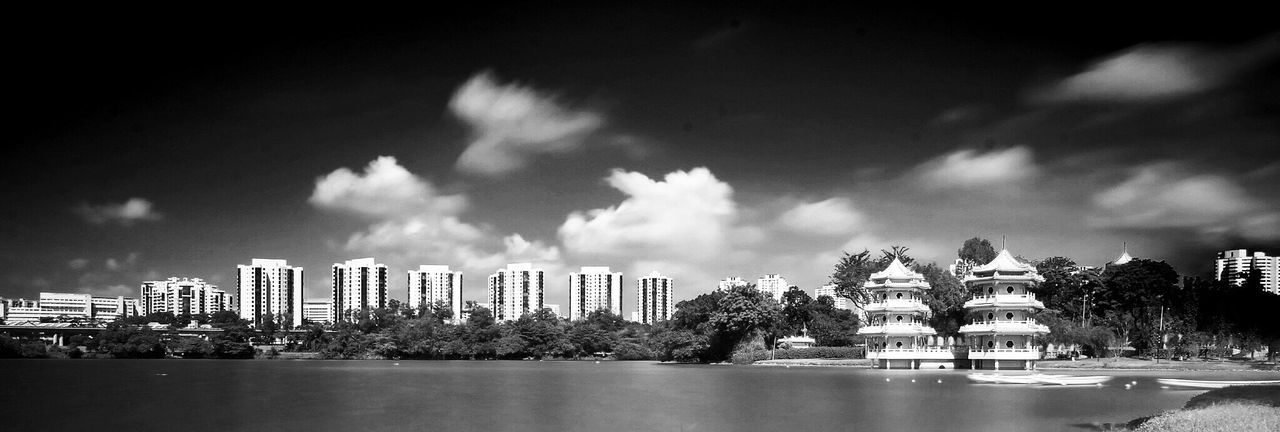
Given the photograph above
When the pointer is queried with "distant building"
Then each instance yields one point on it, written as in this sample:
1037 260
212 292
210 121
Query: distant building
829 290
67 306
358 284
435 283
655 298
730 282
515 291
592 289
773 284
183 297
269 286
554 308
1234 265
318 311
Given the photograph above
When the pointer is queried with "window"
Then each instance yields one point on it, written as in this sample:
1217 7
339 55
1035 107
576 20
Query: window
899 318
990 290
991 344
1009 290
899 295
1008 316
990 316
899 344
1008 344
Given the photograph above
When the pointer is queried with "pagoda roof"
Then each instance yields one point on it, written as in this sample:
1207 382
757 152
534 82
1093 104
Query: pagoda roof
1004 262
1124 257
896 270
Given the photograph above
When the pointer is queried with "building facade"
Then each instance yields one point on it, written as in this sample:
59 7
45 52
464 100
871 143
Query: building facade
318 311
829 290
67 307
730 282
592 289
898 336
774 285
655 298
183 297
269 286
516 290
358 285
430 284
1002 334
1234 265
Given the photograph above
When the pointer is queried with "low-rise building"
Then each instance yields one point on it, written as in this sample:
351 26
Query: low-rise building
67 306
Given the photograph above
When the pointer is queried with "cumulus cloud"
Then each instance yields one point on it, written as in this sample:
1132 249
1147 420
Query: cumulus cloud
413 223
832 216
1156 72
1166 195
971 169
384 189
512 123
686 214
125 214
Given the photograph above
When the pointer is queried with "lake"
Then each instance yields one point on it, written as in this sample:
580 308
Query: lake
267 395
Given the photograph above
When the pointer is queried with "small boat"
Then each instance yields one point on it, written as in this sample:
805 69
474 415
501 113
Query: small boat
1069 380
1209 384
985 378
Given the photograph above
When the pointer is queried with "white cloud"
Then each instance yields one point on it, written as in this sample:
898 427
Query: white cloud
832 216
687 214
385 189
1155 72
970 169
78 263
126 214
512 123
1166 195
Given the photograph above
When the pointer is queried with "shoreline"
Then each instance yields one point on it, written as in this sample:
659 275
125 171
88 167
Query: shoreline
1126 365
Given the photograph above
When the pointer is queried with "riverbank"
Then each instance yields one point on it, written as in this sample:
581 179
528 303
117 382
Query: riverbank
1233 409
862 363
1123 363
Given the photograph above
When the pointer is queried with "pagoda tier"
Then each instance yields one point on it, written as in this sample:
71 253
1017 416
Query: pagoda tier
1002 332
896 330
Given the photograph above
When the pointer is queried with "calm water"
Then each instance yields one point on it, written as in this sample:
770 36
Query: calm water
223 395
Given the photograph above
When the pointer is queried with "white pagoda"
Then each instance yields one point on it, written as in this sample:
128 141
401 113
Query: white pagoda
896 330
1002 333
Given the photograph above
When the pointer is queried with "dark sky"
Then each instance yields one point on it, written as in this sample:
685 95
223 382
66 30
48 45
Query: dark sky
702 142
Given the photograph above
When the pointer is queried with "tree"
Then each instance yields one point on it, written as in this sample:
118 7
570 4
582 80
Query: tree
850 274
946 296
743 314
796 310
976 251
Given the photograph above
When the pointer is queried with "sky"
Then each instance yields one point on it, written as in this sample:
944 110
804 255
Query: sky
699 141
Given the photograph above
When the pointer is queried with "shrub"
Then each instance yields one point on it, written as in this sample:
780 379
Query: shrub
748 357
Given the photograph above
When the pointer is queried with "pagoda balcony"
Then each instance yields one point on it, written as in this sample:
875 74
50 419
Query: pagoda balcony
1010 300
978 353
904 329
1028 326
925 353
897 305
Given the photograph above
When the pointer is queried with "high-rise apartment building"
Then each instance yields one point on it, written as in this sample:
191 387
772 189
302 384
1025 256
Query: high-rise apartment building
183 297
829 290
592 289
1234 266
730 282
655 298
515 291
773 284
269 286
358 284
430 284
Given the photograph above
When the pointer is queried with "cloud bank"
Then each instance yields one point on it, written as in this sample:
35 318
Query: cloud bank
1166 195
128 213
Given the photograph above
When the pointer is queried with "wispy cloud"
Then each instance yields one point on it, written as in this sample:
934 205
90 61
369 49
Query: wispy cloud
1167 195
1157 72
127 213
973 170
510 124
832 216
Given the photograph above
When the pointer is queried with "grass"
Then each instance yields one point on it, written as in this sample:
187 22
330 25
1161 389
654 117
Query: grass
1225 417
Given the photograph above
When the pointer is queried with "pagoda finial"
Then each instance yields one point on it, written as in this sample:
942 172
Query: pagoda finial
1125 247
1002 243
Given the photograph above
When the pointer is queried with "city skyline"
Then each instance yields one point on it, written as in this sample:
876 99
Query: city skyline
700 142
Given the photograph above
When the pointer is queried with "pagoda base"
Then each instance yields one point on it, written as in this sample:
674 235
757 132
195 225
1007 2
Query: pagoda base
1004 364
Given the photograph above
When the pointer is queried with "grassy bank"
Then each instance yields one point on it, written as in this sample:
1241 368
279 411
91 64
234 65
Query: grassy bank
864 363
1140 364
1233 409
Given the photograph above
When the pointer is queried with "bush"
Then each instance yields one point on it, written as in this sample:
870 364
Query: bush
748 357
631 351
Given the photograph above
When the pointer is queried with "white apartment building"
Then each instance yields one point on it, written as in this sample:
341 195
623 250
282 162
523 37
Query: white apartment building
56 306
773 284
318 311
358 284
269 286
730 282
655 298
1234 265
592 289
183 296
554 308
515 291
829 290
435 283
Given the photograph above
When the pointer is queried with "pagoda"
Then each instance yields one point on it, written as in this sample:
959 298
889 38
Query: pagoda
1002 334
896 330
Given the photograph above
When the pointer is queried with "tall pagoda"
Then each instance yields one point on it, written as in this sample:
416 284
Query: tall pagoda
896 331
1002 334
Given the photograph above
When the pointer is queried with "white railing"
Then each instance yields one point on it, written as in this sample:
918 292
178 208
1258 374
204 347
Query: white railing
920 349
974 349
913 304
996 325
